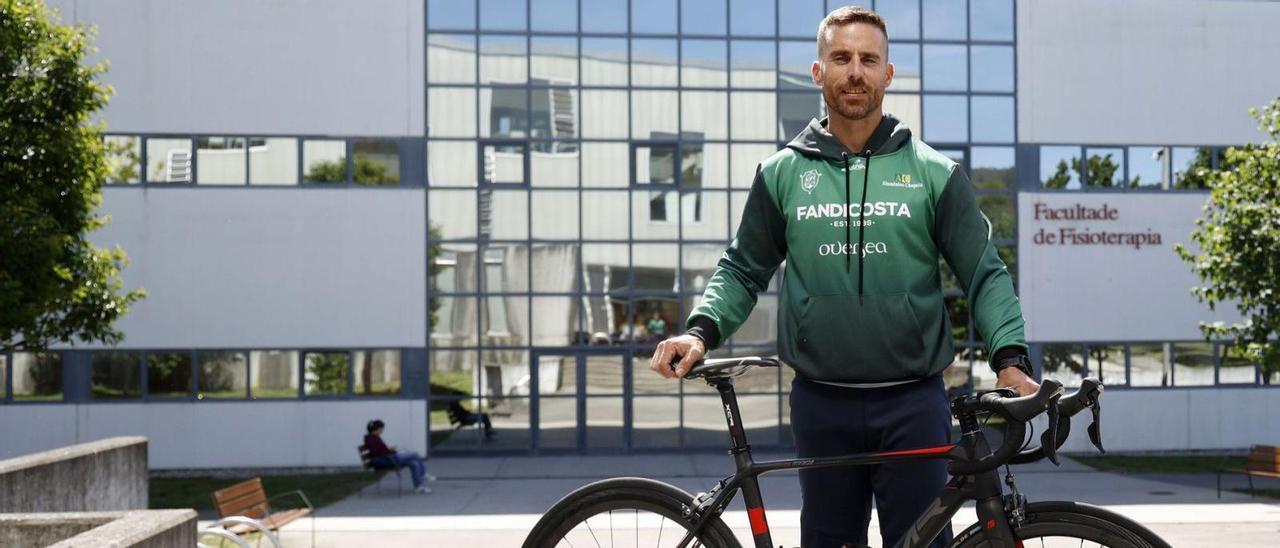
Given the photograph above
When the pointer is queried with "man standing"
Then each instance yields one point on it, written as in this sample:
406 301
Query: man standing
861 211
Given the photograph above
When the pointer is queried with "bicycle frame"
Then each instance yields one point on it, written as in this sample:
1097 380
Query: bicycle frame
984 487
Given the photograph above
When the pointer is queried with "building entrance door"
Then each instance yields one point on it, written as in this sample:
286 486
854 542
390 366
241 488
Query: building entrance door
579 403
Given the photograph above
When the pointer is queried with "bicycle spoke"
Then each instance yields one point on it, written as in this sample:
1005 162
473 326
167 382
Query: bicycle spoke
660 527
593 533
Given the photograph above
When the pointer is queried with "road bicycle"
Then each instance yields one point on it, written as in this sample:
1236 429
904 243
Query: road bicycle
644 512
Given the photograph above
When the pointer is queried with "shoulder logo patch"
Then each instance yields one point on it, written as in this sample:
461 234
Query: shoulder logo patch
809 180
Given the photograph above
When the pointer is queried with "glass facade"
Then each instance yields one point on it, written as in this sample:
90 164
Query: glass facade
585 174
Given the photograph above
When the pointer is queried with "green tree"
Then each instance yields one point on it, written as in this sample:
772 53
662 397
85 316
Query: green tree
1239 244
365 171
54 284
327 372
1098 171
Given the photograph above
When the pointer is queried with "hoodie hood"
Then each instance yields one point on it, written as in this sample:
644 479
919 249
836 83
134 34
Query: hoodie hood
816 141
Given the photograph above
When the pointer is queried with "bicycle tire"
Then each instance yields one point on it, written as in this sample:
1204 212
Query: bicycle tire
626 494
1070 520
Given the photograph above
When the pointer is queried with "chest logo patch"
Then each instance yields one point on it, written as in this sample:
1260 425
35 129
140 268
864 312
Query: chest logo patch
809 180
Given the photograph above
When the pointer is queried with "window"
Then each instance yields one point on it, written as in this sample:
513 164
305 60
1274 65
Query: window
795 62
124 158
326 373
1149 364
751 17
508 111
451 14
554 15
115 375
901 16
502 14
503 59
653 16
655 164
604 16
944 19
273 161
992 168
223 375
37 377
1234 367
946 68
504 163
1192 364
1059 167
992 119
1104 167
1107 363
703 63
169 374
169 160
752 64
604 60
495 306
1146 167
991 68
377 162
991 20
324 161
1063 362
221 161
1187 162
653 62
377 372
708 15
946 118
273 374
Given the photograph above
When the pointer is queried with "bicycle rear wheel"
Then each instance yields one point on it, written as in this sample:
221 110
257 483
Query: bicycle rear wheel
624 512
1070 524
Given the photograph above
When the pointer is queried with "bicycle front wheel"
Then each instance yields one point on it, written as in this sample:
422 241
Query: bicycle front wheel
624 512
1069 524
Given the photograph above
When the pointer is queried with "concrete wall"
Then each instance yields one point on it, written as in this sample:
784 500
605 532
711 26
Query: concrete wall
317 67
271 268
220 434
1145 71
142 529
109 474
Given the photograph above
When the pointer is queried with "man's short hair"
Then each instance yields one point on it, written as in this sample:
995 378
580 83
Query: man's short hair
373 425
849 15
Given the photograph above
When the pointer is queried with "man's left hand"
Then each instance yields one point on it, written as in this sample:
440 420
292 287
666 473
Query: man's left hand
1012 377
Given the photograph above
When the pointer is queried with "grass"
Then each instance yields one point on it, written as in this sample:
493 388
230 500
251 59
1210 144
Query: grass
1160 464
197 492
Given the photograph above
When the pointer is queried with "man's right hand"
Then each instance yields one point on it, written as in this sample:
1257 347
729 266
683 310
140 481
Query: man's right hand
688 348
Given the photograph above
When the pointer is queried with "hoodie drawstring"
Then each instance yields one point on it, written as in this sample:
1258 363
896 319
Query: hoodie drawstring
845 157
862 222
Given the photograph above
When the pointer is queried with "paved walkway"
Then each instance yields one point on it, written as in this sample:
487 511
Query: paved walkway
495 501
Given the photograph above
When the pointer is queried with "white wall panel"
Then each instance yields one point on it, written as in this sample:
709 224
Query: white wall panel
1145 71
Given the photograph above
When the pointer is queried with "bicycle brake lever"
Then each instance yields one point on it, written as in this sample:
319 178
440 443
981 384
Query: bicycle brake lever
1095 429
1049 440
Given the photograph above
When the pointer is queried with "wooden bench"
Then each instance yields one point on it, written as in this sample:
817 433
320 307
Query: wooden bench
367 462
248 499
1262 461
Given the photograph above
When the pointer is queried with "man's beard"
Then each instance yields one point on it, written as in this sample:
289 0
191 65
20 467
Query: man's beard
853 112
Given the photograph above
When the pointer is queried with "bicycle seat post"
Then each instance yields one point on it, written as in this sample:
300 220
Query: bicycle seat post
738 446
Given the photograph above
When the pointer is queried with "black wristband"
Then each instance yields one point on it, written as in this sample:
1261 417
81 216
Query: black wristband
1019 360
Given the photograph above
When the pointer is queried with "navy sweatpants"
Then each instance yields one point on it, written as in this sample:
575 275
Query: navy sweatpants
831 420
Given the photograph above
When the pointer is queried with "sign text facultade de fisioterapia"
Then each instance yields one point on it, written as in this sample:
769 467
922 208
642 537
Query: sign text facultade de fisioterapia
1086 235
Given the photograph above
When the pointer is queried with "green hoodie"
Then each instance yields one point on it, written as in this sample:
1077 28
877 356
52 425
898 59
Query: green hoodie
861 234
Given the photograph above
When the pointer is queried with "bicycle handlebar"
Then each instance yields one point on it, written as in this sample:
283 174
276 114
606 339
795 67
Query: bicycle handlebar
1017 411
1068 406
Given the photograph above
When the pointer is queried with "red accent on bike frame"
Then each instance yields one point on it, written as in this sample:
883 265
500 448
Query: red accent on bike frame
758 524
926 451
991 524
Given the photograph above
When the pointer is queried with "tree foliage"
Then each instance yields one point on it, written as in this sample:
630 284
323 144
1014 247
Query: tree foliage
1239 244
54 284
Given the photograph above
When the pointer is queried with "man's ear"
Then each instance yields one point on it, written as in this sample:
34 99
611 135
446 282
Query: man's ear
816 70
889 73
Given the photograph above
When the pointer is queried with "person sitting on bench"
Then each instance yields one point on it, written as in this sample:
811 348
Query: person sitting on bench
460 415
387 457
